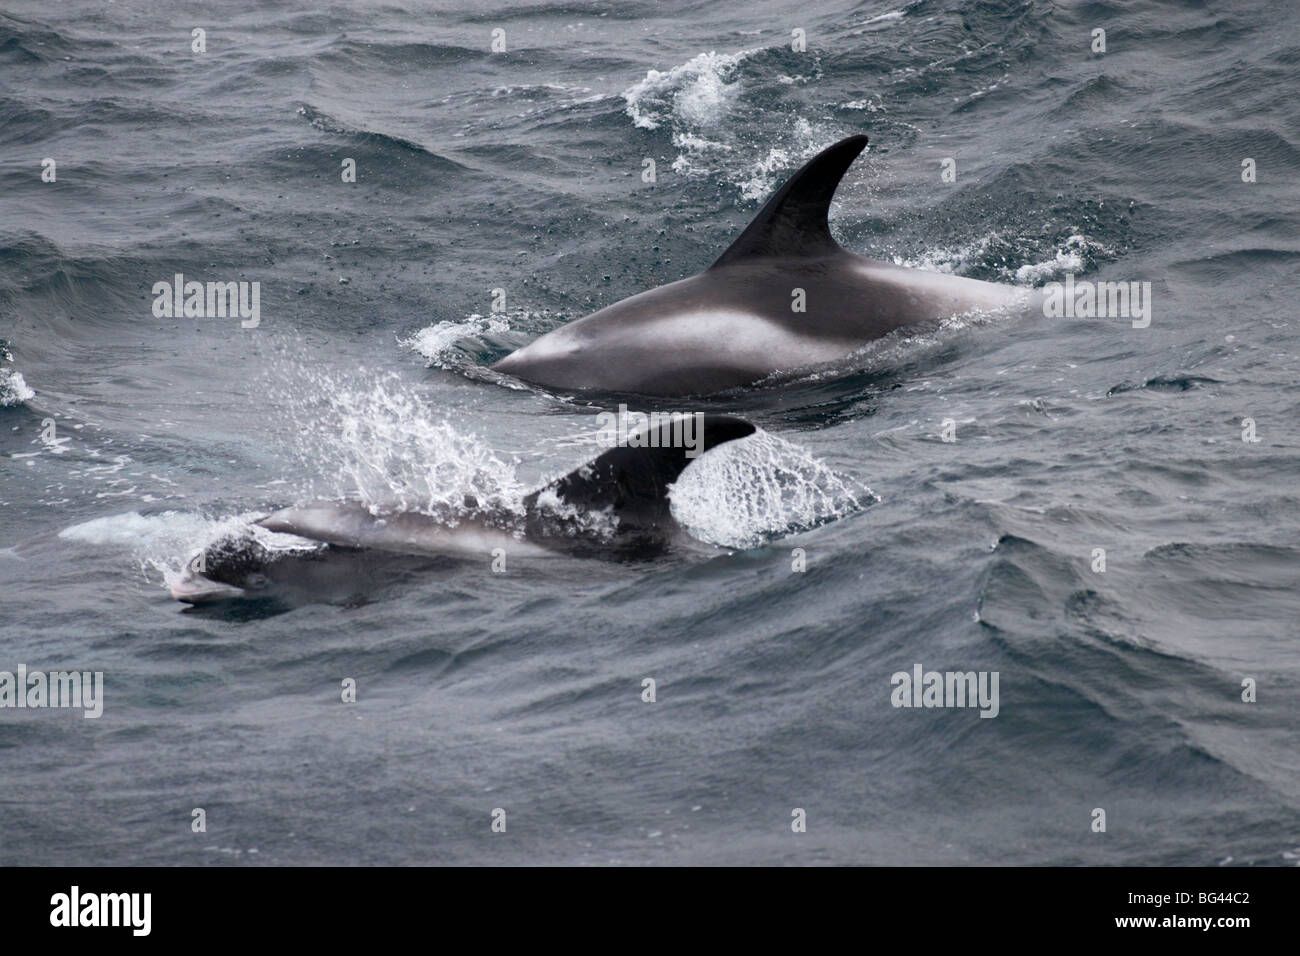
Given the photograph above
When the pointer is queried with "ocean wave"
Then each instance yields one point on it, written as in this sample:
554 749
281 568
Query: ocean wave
333 123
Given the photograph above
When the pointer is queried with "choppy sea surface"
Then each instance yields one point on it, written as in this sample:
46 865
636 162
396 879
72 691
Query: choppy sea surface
126 440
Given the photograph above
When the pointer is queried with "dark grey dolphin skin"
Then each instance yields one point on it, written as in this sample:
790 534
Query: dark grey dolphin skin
616 506
734 323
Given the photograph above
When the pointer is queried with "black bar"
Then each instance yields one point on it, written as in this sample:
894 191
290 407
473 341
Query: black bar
243 904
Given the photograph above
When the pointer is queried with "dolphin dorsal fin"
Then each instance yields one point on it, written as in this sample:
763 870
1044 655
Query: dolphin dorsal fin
632 482
793 222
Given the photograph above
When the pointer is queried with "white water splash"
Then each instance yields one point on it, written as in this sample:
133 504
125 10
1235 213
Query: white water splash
165 542
696 102
753 490
693 100
1068 258
696 94
13 390
438 343
950 260
377 441
1071 256
803 143
875 105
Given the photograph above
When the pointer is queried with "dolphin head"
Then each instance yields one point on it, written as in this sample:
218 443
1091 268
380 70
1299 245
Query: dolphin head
233 567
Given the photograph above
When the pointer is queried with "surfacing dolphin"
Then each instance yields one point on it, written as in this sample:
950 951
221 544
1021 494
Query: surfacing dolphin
735 323
616 506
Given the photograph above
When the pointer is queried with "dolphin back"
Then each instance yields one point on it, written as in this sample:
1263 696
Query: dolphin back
630 482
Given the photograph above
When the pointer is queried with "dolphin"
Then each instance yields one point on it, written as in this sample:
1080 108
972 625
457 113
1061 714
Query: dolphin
739 321
616 506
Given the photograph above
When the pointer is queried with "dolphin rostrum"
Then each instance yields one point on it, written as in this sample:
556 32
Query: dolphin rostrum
614 506
783 296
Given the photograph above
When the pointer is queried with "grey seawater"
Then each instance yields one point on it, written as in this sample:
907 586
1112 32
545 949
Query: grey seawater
522 690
